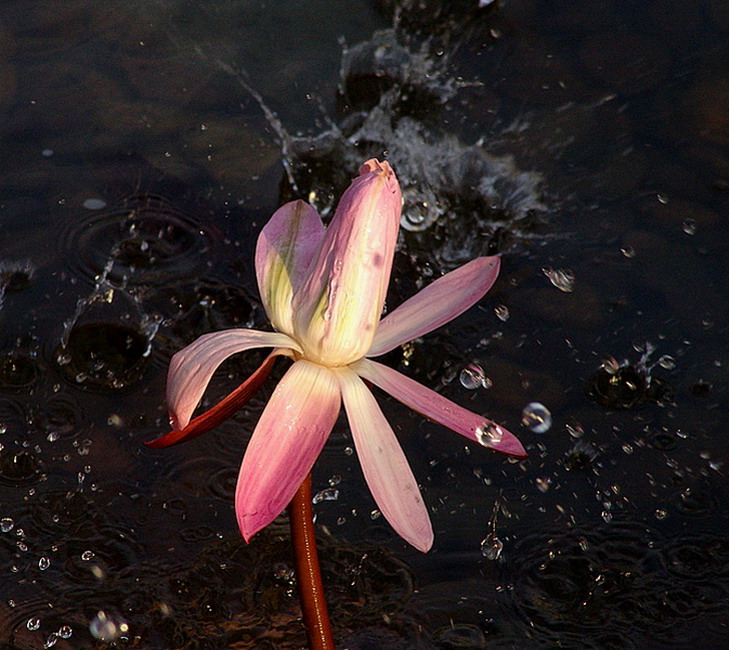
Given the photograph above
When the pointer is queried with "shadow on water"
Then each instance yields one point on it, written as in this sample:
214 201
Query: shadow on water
141 147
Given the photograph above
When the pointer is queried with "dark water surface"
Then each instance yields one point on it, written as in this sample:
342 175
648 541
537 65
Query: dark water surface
142 147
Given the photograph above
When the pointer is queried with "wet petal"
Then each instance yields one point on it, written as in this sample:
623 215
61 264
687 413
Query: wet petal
337 309
287 440
440 409
439 302
191 368
221 411
384 465
285 248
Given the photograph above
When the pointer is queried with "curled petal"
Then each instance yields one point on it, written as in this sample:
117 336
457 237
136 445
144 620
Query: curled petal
440 409
289 436
384 465
285 248
220 412
337 309
191 368
441 301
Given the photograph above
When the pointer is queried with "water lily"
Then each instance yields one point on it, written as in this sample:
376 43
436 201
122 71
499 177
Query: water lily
324 289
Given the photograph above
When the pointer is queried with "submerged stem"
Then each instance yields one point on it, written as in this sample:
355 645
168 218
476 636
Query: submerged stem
308 573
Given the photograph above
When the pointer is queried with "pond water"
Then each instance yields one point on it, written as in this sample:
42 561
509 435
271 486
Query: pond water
144 144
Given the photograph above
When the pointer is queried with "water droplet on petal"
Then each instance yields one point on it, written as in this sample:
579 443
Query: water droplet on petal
536 417
489 434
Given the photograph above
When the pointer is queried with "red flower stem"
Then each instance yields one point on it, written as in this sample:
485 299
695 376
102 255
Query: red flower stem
308 573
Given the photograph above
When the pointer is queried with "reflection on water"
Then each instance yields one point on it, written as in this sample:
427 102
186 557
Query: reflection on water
142 147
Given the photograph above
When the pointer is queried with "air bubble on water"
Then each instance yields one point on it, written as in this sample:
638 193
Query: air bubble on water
341 521
563 279
348 451
6 524
472 377
628 251
502 312
689 226
491 547
65 631
44 563
335 479
105 627
375 514
33 623
489 434
50 641
87 555
660 513
328 494
536 417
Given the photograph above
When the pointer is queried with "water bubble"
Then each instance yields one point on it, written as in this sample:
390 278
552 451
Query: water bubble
348 451
491 547
502 312
335 479
563 279
328 494
472 377
489 434
105 627
44 563
87 555
689 226
50 641
65 632
33 623
6 524
536 417
375 514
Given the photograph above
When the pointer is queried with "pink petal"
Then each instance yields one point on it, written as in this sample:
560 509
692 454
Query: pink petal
286 246
337 309
287 440
191 368
439 302
384 465
440 409
221 411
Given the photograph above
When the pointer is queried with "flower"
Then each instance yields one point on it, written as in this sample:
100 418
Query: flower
324 289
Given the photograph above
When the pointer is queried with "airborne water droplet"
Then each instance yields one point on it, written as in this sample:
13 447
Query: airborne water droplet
491 547
536 417
563 279
472 377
